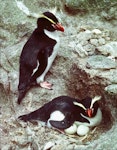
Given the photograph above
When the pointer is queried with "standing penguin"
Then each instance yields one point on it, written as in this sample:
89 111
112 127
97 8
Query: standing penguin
62 112
38 54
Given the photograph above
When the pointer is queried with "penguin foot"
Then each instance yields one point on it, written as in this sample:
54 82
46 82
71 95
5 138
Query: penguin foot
60 131
46 85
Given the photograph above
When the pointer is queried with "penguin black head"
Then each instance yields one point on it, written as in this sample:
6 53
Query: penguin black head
89 106
49 22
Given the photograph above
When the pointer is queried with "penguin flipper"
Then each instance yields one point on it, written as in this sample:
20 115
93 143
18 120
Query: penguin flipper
61 124
43 61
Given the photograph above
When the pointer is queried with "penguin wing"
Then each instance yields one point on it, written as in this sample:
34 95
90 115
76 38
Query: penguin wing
43 62
65 123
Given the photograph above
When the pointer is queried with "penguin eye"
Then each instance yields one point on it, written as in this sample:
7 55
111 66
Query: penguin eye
63 122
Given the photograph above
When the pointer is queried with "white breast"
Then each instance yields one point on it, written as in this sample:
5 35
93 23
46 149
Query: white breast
93 121
54 36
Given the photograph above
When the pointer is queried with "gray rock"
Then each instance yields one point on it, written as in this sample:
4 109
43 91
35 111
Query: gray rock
84 36
6 147
48 145
20 140
96 31
76 6
108 49
101 41
17 25
100 62
110 75
90 49
110 14
78 48
94 42
111 89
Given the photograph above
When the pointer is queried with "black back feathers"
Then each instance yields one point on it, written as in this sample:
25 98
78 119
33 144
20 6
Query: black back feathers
64 105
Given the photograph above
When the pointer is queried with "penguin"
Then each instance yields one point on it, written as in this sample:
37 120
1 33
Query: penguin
92 111
63 112
38 54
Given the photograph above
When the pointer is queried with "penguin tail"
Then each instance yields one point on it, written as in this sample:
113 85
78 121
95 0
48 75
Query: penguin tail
22 94
24 90
24 118
28 117
35 115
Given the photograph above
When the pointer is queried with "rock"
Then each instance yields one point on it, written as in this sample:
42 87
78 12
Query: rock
96 31
108 143
5 147
48 145
94 42
71 146
110 14
74 7
101 41
29 131
81 51
20 140
110 75
100 62
87 31
16 25
4 78
81 45
90 49
111 89
108 49
84 36
80 6
9 70
13 81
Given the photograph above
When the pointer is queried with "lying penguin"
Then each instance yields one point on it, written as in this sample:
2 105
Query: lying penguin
68 115
38 54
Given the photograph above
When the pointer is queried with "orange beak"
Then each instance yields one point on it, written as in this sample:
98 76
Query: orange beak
59 27
89 112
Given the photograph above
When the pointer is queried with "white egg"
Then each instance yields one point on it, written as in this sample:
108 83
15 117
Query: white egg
82 130
71 130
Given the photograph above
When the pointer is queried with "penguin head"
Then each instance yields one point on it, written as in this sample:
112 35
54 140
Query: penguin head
49 22
89 106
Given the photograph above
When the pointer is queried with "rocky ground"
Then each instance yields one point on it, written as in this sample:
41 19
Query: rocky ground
86 65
